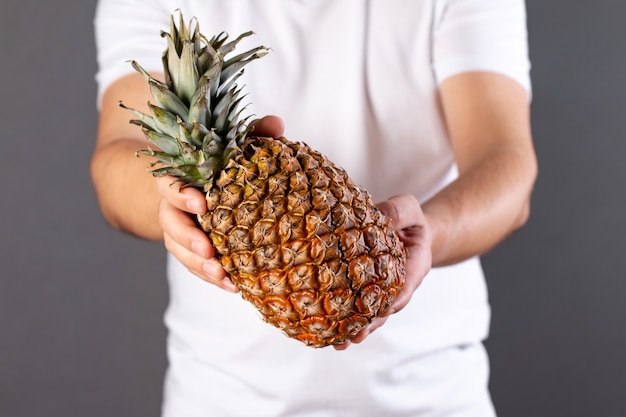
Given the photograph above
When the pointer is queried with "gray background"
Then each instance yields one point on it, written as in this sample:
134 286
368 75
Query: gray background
80 305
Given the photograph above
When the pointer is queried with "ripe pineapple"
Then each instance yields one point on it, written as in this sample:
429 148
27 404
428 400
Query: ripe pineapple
303 243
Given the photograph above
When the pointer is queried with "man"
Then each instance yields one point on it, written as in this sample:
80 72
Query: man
425 103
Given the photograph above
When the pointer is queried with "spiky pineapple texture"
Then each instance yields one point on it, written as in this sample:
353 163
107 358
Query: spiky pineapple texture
304 244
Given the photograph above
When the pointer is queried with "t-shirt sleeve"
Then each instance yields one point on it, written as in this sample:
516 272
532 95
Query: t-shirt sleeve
482 35
125 30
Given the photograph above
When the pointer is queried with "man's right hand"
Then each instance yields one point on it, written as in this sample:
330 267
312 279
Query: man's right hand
182 237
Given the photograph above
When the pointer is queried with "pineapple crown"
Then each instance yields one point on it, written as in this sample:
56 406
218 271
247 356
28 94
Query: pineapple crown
196 119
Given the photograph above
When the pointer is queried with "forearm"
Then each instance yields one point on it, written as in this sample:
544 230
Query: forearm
126 190
482 207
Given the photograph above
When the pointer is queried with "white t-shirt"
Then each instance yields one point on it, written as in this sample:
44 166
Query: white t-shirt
358 81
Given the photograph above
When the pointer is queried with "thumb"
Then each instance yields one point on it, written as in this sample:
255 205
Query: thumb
404 210
269 126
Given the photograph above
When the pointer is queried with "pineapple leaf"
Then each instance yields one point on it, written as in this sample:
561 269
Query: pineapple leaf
206 58
186 76
142 118
218 40
199 107
167 99
212 144
181 172
166 122
230 150
188 157
234 64
230 46
167 143
170 59
197 133
223 109
228 85
185 131
183 31
196 121
161 93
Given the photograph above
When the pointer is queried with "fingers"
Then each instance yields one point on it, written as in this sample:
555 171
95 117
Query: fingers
418 263
410 223
268 126
363 333
191 246
404 210
343 346
187 199
182 237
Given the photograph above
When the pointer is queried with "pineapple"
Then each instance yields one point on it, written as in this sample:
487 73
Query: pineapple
303 243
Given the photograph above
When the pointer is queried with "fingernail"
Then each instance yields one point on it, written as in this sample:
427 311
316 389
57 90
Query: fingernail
229 286
211 269
193 206
198 248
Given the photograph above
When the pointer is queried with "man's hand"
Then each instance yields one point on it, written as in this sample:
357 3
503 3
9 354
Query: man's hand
410 224
182 237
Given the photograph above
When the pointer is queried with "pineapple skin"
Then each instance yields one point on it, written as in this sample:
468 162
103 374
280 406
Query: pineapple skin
304 244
